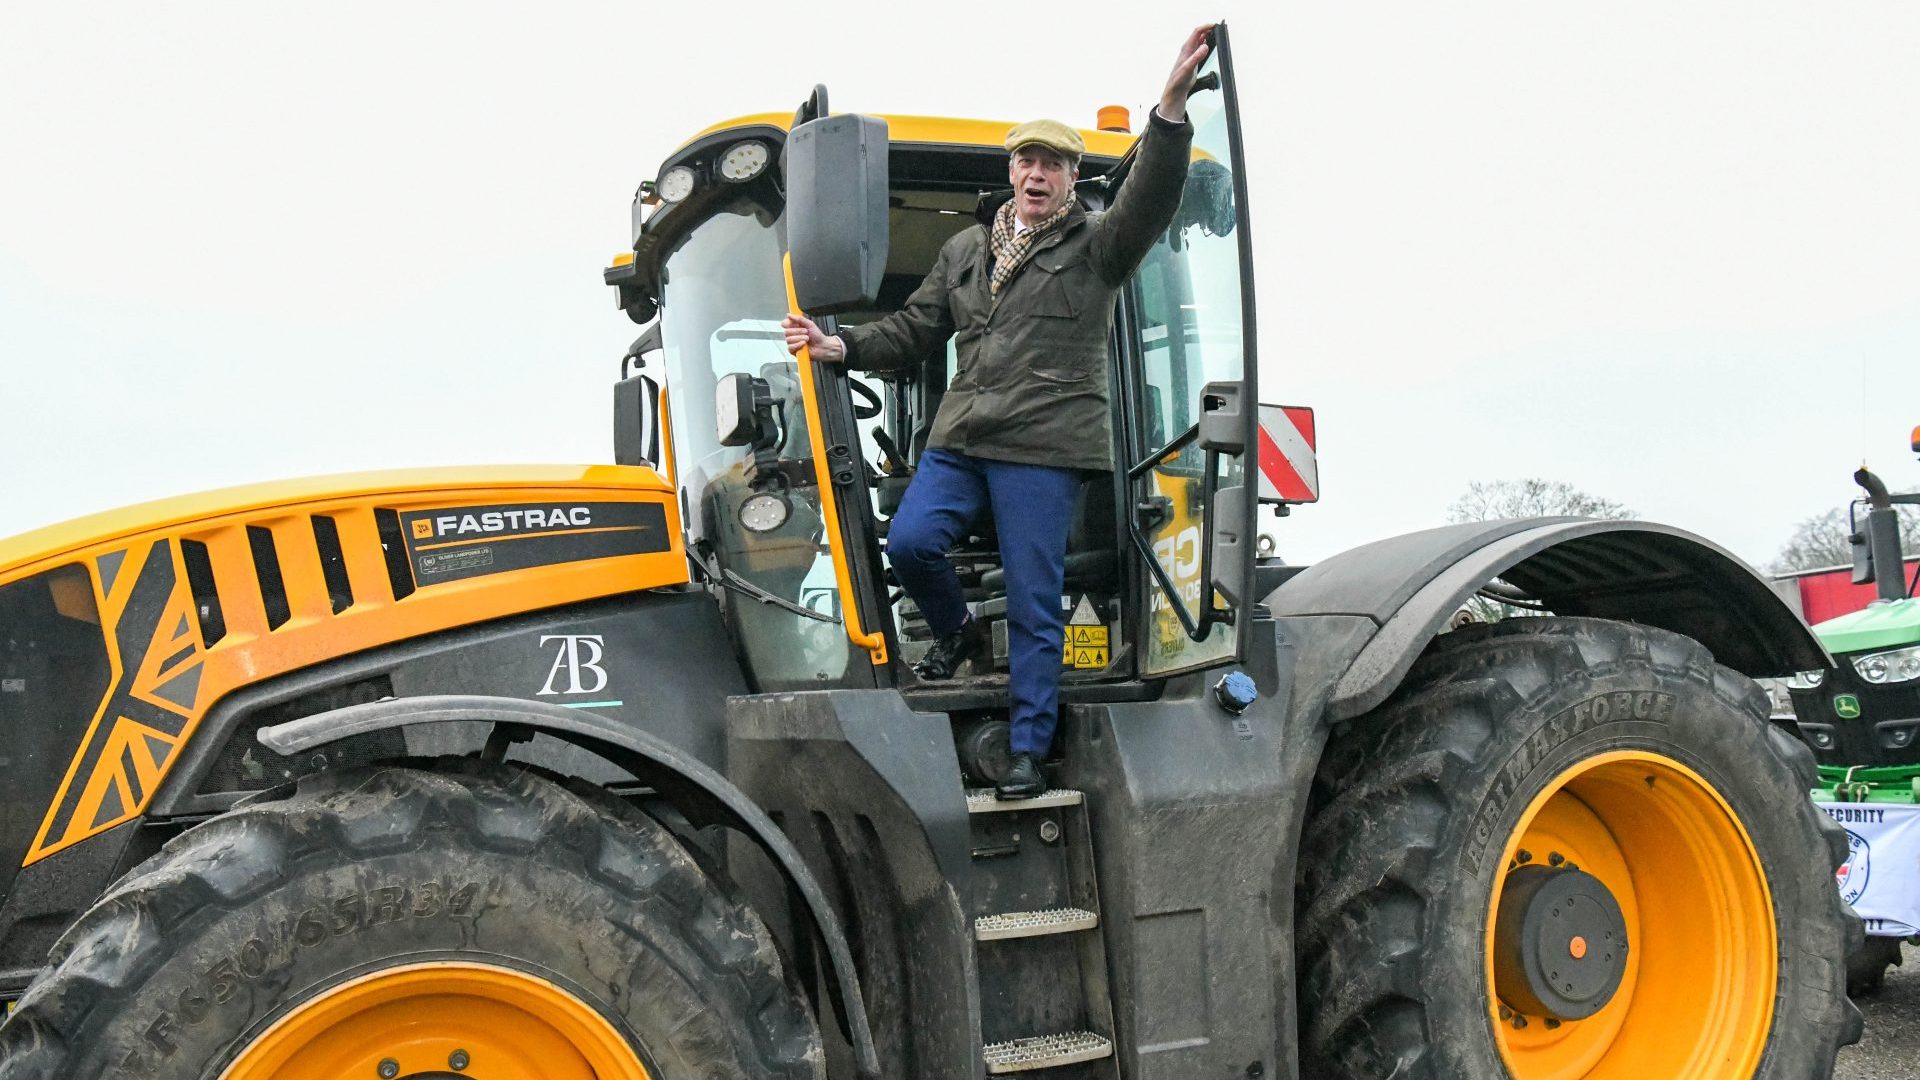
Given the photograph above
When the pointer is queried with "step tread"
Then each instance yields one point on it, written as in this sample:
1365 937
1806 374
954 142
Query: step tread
1018 924
1045 1051
986 801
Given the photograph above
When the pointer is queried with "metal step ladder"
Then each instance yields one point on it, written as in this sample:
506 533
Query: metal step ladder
1038 948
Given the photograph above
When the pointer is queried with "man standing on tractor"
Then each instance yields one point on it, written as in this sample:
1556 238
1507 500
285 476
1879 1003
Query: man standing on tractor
1029 302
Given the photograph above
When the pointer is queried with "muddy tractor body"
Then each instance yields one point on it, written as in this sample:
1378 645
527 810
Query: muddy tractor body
619 770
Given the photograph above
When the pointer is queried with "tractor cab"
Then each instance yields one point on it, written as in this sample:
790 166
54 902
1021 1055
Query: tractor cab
789 470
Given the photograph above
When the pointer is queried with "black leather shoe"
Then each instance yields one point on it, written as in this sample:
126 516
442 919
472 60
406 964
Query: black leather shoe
949 652
1022 779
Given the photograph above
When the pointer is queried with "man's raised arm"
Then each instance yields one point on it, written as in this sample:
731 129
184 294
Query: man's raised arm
1150 195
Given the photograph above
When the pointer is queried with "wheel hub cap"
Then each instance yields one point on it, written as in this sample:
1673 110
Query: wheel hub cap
1562 943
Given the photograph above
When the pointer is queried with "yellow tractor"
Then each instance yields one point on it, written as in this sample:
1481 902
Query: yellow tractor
618 771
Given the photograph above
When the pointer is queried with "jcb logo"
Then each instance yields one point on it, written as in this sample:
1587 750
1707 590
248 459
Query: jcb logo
578 658
1179 554
422 529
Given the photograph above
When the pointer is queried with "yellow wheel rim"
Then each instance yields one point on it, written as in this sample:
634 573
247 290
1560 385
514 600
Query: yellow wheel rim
423 1019
1696 997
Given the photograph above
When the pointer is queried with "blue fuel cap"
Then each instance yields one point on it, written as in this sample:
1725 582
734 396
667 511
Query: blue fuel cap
1235 691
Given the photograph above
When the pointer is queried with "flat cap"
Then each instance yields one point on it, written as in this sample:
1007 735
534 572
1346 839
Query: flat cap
1051 134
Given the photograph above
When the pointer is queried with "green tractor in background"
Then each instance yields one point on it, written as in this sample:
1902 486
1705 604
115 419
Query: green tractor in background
1862 719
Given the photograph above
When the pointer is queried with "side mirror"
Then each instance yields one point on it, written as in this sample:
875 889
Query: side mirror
1231 554
636 422
1862 558
836 170
743 411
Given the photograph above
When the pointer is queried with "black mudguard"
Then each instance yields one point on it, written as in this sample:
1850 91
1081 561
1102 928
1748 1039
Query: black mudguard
1407 587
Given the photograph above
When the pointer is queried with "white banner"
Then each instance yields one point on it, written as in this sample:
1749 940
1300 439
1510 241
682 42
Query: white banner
1881 877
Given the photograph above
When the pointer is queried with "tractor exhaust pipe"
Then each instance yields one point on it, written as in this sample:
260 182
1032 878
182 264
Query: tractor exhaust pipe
1877 557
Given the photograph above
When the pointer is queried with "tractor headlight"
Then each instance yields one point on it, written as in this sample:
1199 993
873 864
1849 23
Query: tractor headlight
675 184
765 511
1894 666
743 161
1806 680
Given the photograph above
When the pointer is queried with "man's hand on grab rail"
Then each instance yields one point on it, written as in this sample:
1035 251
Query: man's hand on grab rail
801 331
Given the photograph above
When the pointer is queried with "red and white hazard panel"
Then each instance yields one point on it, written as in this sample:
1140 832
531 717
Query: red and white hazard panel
1289 469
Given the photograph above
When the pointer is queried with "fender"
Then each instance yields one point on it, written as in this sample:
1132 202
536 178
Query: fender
692 786
1633 571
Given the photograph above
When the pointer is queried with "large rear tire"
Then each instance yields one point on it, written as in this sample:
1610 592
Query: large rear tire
1570 848
399 922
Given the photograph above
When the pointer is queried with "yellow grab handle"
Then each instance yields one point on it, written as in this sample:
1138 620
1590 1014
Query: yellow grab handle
874 642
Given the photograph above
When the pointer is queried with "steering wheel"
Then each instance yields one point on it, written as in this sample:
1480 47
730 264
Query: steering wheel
866 393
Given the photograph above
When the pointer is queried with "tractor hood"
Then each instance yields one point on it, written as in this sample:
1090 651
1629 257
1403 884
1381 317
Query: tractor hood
119 631
1883 625
55 541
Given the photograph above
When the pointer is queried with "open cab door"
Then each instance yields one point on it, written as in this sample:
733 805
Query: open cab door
837 240
1191 400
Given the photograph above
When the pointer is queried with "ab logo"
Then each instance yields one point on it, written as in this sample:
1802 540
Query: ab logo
579 660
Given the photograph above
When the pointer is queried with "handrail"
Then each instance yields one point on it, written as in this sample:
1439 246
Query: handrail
873 641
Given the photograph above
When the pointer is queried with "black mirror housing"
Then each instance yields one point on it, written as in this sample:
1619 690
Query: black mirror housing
1862 559
836 170
740 403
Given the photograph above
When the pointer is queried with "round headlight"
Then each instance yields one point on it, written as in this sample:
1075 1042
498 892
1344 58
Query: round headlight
743 161
675 184
1872 668
765 511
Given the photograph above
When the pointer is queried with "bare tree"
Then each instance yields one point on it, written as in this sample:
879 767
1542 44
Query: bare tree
1531 497
1822 540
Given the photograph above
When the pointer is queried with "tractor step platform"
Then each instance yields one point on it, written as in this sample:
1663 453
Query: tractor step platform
986 801
1017 924
1045 1052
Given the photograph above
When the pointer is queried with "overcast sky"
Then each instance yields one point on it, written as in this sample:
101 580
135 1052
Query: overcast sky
1669 253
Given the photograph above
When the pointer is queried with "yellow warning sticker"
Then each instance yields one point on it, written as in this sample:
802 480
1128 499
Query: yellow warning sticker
1078 636
1084 644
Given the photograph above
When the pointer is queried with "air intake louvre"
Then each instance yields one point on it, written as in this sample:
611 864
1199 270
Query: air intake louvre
399 570
333 563
266 568
206 599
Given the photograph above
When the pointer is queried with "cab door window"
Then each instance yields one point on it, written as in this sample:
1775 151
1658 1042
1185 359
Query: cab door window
1190 314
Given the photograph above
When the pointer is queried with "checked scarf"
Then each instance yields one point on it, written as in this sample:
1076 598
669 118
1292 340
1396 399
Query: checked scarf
1009 251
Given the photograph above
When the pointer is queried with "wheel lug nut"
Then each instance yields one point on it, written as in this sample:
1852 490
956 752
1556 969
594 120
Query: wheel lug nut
1519 1022
457 1061
389 1069
1506 1013
1555 858
1552 1024
1523 855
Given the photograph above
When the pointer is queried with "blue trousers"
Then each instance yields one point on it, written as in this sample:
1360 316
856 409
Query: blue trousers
1032 509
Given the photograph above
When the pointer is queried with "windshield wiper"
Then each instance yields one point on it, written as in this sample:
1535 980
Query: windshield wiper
727 579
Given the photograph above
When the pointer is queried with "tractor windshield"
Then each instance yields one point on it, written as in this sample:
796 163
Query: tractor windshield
721 302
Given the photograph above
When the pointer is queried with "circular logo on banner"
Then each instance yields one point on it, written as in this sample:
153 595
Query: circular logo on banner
1853 873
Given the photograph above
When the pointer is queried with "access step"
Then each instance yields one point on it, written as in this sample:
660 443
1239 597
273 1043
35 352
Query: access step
1045 1052
1019 924
987 801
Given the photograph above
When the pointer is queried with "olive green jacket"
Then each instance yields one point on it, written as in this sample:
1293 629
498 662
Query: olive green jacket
1032 380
